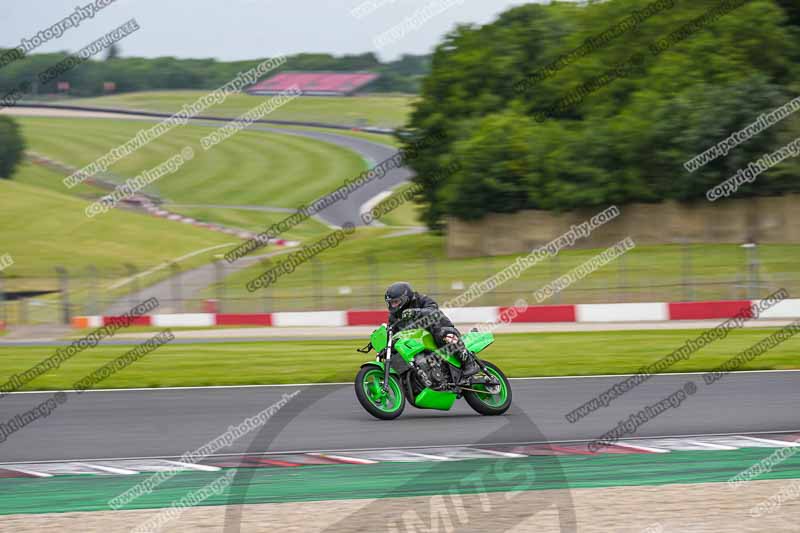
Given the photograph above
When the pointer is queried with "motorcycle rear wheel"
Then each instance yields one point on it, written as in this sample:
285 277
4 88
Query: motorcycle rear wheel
486 403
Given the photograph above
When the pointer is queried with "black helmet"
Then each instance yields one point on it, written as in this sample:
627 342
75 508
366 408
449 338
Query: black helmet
398 295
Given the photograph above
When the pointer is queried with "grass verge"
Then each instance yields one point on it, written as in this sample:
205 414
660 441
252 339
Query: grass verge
43 229
308 361
250 168
406 213
380 111
252 220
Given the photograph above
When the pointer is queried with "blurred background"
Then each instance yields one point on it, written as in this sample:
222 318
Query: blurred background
526 98
516 122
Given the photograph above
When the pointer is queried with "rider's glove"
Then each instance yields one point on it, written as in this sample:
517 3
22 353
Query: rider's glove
408 314
451 338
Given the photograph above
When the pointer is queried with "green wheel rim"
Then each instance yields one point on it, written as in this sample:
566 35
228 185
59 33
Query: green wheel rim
493 400
389 401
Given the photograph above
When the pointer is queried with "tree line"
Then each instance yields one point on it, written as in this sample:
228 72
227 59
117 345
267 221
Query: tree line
403 75
561 106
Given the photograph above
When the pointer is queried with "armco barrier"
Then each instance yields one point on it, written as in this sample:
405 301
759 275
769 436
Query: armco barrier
638 312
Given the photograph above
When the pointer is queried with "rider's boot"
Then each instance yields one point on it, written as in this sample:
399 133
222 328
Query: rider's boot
469 366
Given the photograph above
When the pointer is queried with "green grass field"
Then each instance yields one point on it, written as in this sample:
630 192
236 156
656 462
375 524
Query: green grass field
252 220
519 355
251 168
257 220
45 178
405 214
646 273
43 229
378 111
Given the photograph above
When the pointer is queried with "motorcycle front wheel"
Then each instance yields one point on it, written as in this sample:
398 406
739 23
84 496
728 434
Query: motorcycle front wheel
386 405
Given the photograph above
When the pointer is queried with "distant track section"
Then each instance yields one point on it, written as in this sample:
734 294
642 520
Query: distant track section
139 113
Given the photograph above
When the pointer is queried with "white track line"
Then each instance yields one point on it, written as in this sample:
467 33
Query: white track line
657 375
352 460
408 448
109 469
427 456
640 448
193 466
205 387
374 201
712 445
535 378
495 452
780 443
29 472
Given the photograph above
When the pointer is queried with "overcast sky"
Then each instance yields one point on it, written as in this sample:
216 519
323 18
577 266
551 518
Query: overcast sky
246 29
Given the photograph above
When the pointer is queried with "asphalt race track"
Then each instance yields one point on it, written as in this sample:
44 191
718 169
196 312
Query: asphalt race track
169 422
348 210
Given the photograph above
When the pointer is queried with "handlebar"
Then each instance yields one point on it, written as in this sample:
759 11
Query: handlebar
365 349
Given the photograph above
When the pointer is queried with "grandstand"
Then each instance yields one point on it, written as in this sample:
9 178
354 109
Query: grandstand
315 83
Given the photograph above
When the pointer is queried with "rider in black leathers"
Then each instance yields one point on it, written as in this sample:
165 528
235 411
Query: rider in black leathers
408 308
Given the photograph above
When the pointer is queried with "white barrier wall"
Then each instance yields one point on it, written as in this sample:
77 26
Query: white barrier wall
638 312
464 315
784 309
184 320
313 318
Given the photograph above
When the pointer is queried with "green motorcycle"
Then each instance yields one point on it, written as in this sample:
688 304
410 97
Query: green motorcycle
410 366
